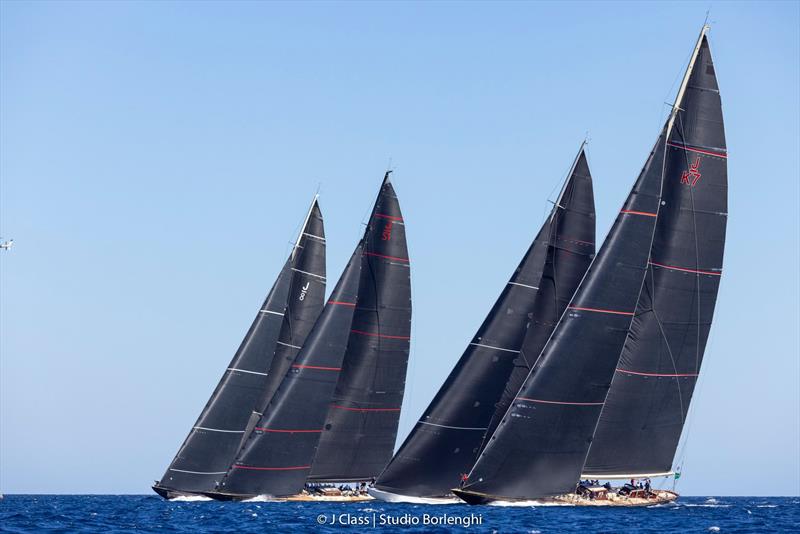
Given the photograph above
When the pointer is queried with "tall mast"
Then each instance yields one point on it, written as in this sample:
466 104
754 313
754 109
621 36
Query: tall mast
685 82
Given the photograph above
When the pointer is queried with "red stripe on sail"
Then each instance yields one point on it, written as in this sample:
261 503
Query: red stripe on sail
300 366
390 217
252 468
655 374
365 409
700 150
645 213
292 431
378 335
339 303
385 257
600 310
695 271
560 402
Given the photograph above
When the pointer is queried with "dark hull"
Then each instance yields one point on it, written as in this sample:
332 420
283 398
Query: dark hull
169 493
218 496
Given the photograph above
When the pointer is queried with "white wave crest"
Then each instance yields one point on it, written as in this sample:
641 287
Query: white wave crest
190 498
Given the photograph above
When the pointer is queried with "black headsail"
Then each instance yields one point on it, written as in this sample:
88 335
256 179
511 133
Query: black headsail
361 426
645 410
446 441
277 455
539 447
215 438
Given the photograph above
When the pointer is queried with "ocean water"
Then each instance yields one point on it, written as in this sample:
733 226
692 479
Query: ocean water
144 513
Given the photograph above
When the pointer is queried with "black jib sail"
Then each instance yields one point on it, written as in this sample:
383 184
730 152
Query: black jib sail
361 426
215 438
446 441
540 445
645 410
277 455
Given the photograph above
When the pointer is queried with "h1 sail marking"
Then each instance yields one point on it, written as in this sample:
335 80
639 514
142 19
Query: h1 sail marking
495 348
453 427
599 310
560 402
218 430
699 150
656 374
309 274
198 472
695 271
365 409
385 257
245 371
522 285
252 468
387 336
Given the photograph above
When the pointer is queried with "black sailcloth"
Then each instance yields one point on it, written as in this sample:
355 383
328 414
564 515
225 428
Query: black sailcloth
647 405
539 447
446 441
277 455
215 438
361 426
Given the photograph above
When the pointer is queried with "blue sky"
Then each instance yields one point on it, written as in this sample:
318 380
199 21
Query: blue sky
157 158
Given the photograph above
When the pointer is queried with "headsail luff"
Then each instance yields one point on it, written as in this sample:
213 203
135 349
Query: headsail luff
446 441
648 402
277 455
540 445
361 427
216 436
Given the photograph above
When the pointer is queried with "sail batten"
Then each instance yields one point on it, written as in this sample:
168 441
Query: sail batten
448 437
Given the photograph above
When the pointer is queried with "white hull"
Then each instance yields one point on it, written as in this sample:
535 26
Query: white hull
386 496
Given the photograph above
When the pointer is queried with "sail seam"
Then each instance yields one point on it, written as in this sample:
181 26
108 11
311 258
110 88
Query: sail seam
561 402
309 274
493 347
246 371
522 285
453 427
218 430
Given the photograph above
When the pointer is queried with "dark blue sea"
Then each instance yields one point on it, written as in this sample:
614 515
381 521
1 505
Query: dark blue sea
144 513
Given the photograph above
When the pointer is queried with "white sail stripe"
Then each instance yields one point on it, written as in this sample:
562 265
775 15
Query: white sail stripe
218 430
314 236
198 472
244 371
453 427
495 348
309 274
287 345
522 285
272 312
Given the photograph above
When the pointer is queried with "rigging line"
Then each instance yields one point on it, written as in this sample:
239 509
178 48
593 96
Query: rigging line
666 342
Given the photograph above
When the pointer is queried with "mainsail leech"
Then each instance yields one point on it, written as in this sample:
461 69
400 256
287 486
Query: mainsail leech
447 439
216 436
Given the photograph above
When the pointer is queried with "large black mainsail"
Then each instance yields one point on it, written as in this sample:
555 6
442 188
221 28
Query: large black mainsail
360 430
446 441
215 438
540 445
647 405
277 455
